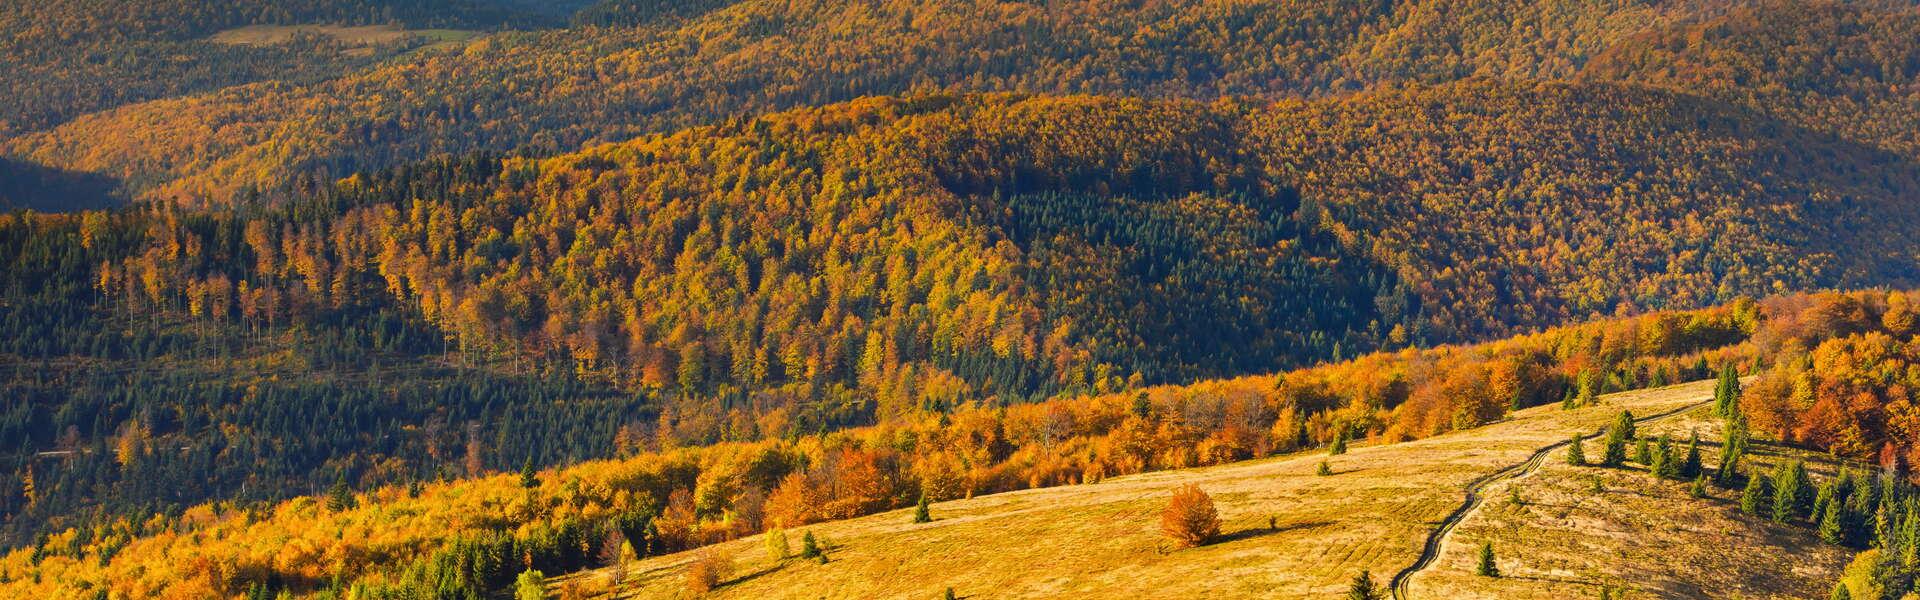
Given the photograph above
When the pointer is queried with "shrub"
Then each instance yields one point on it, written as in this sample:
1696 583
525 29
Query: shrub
531 585
708 571
1190 519
777 543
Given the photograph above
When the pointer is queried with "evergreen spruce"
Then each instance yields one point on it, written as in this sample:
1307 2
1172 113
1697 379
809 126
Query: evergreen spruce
949 595
1791 496
1576 451
1324 469
1832 530
1363 588
1665 464
1732 450
1142 406
1757 499
809 547
1617 436
920 511
1690 465
1840 592
1699 489
527 478
1726 392
340 497
1643 452
1487 567
1339 446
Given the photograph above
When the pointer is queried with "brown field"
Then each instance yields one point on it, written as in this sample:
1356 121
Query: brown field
1100 540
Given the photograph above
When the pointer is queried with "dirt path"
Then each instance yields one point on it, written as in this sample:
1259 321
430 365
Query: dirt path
1402 581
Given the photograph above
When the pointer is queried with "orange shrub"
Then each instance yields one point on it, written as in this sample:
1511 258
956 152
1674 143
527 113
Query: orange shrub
1190 519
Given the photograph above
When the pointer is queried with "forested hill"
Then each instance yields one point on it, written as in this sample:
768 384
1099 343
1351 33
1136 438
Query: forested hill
1045 243
558 89
886 258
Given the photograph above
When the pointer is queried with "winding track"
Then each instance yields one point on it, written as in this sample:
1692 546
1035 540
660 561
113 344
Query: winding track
1402 581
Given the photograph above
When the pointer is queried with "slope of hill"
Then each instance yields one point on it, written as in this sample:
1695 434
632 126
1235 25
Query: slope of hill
473 535
1101 539
558 90
1580 530
888 258
1434 214
66 58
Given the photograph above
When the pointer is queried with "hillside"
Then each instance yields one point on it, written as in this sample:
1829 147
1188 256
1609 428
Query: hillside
66 58
891 258
664 496
470 299
558 90
1579 530
1100 539
1442 214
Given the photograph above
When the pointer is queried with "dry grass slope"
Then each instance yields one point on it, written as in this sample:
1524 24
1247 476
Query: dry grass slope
1638 534
1102 539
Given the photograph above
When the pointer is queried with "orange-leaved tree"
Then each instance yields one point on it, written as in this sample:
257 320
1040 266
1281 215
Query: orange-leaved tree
1190 519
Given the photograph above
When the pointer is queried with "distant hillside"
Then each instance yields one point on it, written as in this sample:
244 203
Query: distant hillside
1033 244
64 58
560 89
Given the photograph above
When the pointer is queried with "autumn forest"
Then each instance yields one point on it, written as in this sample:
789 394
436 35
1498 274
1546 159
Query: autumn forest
358 299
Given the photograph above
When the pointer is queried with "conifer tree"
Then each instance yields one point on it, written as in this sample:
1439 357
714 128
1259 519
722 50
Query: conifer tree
1339 446
1699 489
340 497
1832 531
527 479
1726 392
1732 450
1643 452
920 511
1757 499
1791 496
949 595
1690 465
1840 592
1617 436
1486 566
1576 451
1324 469
1665 464
1363 588
809 548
